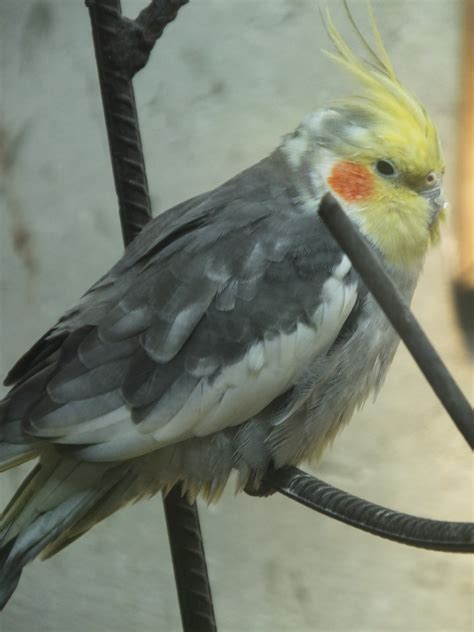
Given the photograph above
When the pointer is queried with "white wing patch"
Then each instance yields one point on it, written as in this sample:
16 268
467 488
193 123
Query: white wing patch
241 390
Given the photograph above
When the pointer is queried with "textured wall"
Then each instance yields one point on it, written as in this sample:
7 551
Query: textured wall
227 80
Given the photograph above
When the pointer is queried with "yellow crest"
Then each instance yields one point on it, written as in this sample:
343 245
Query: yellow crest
401 118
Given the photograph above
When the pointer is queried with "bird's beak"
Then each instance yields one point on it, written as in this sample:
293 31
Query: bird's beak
436 201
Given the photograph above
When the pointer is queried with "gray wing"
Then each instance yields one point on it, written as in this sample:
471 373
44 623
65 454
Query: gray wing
213 311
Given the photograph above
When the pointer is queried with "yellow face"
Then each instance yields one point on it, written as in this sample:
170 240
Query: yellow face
388 164
399 203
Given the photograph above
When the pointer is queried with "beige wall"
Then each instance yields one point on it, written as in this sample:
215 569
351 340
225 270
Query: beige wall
228 78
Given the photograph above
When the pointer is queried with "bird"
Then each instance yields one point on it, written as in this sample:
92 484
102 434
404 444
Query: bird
233 334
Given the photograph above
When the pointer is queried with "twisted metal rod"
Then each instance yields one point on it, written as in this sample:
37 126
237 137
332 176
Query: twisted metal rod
189 563
453 537
134 39
118 100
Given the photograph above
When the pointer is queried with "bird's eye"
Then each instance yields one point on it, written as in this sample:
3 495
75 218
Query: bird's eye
431 179
385 168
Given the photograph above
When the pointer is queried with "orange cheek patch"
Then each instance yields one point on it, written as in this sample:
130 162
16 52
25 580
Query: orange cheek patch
351 181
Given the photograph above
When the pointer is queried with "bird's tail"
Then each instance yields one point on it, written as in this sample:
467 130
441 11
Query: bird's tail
13 454
59 500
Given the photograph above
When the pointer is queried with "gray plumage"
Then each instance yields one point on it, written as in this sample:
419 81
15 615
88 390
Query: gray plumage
232 334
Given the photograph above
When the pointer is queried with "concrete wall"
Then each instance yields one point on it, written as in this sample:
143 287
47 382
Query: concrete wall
226 81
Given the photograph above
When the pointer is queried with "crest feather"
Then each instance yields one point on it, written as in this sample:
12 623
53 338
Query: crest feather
384 96
369 72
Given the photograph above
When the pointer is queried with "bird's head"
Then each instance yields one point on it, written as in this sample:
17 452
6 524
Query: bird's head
378 153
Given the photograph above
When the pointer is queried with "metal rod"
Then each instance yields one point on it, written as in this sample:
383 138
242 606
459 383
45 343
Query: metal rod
454 537
134 41
121 121
112 33
192 582
400 315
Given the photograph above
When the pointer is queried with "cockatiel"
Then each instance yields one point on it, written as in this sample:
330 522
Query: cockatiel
233 334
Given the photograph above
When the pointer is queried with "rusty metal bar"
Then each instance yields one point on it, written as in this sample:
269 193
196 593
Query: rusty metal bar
122 47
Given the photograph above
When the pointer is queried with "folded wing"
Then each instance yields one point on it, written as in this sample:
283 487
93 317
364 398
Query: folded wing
215 310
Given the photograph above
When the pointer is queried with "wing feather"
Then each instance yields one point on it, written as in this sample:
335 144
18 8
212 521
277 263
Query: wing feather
215 311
